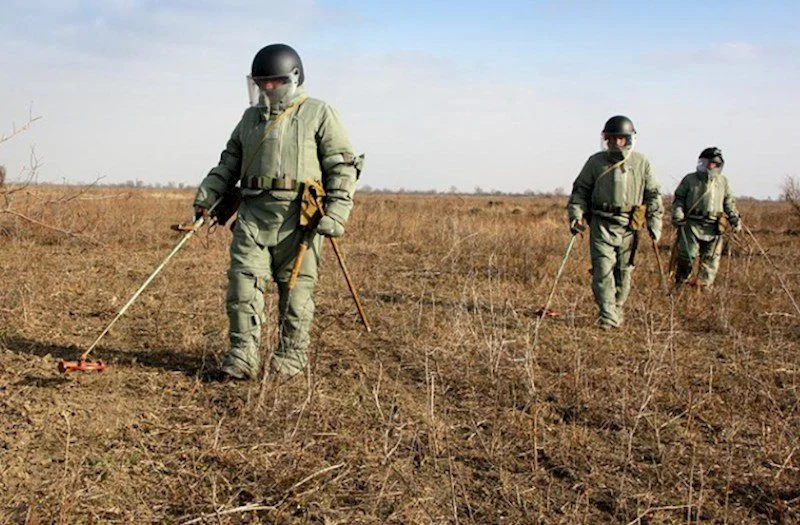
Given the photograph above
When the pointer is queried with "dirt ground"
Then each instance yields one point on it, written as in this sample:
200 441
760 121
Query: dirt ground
451 411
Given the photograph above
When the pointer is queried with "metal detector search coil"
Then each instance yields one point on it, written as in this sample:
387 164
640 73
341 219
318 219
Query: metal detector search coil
80 366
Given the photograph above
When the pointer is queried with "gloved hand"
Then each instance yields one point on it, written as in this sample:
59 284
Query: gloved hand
330 227
576 226
655 235
737 226
200 211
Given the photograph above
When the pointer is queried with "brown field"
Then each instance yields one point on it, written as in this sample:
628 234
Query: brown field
448 412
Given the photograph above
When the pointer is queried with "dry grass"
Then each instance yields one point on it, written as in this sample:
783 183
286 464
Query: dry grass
445 414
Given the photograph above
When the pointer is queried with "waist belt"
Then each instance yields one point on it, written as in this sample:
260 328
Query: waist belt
709 217
269 183
616 210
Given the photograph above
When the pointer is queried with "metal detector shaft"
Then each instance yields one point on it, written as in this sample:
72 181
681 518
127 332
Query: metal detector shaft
335 245
361 313
552 290
558 275
196 226
660 267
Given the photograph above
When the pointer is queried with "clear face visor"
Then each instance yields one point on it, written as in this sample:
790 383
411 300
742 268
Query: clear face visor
702 167
257 96
262 97
608 142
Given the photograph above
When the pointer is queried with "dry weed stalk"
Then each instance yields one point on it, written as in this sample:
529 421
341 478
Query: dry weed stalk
775 268
21 129
252 507
791 193
27 177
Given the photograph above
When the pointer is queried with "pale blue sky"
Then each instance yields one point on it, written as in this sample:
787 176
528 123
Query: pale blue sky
505 95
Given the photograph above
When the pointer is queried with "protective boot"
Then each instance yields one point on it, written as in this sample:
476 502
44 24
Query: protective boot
609 315
683 271
606 325
235 367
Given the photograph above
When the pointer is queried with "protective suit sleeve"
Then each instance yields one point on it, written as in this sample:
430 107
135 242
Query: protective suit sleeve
652 198
340 166
729 204
679 202
224 174
581 197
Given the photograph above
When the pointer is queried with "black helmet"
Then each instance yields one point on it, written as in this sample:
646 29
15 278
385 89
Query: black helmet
712 154
619 125
278 60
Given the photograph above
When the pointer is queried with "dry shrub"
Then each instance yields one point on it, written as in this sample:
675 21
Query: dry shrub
689 414
791 193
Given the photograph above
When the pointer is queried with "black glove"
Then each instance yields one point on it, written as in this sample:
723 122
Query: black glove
576 226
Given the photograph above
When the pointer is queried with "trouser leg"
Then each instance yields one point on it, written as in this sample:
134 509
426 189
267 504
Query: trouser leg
710 255
604 260
296 306
688 247
247 279
623 274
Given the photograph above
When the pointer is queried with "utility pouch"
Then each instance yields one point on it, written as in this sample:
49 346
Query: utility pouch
723 224
310 212
638 218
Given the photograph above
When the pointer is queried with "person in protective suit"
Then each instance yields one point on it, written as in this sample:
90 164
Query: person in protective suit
616 194
282 139
703 209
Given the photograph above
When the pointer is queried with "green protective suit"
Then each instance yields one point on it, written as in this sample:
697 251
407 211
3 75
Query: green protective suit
700 201
604 194
305 139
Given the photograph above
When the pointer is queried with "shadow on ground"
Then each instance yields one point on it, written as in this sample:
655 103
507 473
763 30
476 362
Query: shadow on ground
189 364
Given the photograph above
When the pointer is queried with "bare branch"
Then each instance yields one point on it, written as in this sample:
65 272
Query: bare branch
17 130
27 177
27 173
49 227
76 195
252 507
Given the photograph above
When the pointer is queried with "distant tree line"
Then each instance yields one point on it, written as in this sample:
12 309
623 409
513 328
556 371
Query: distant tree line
790 190
453 190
